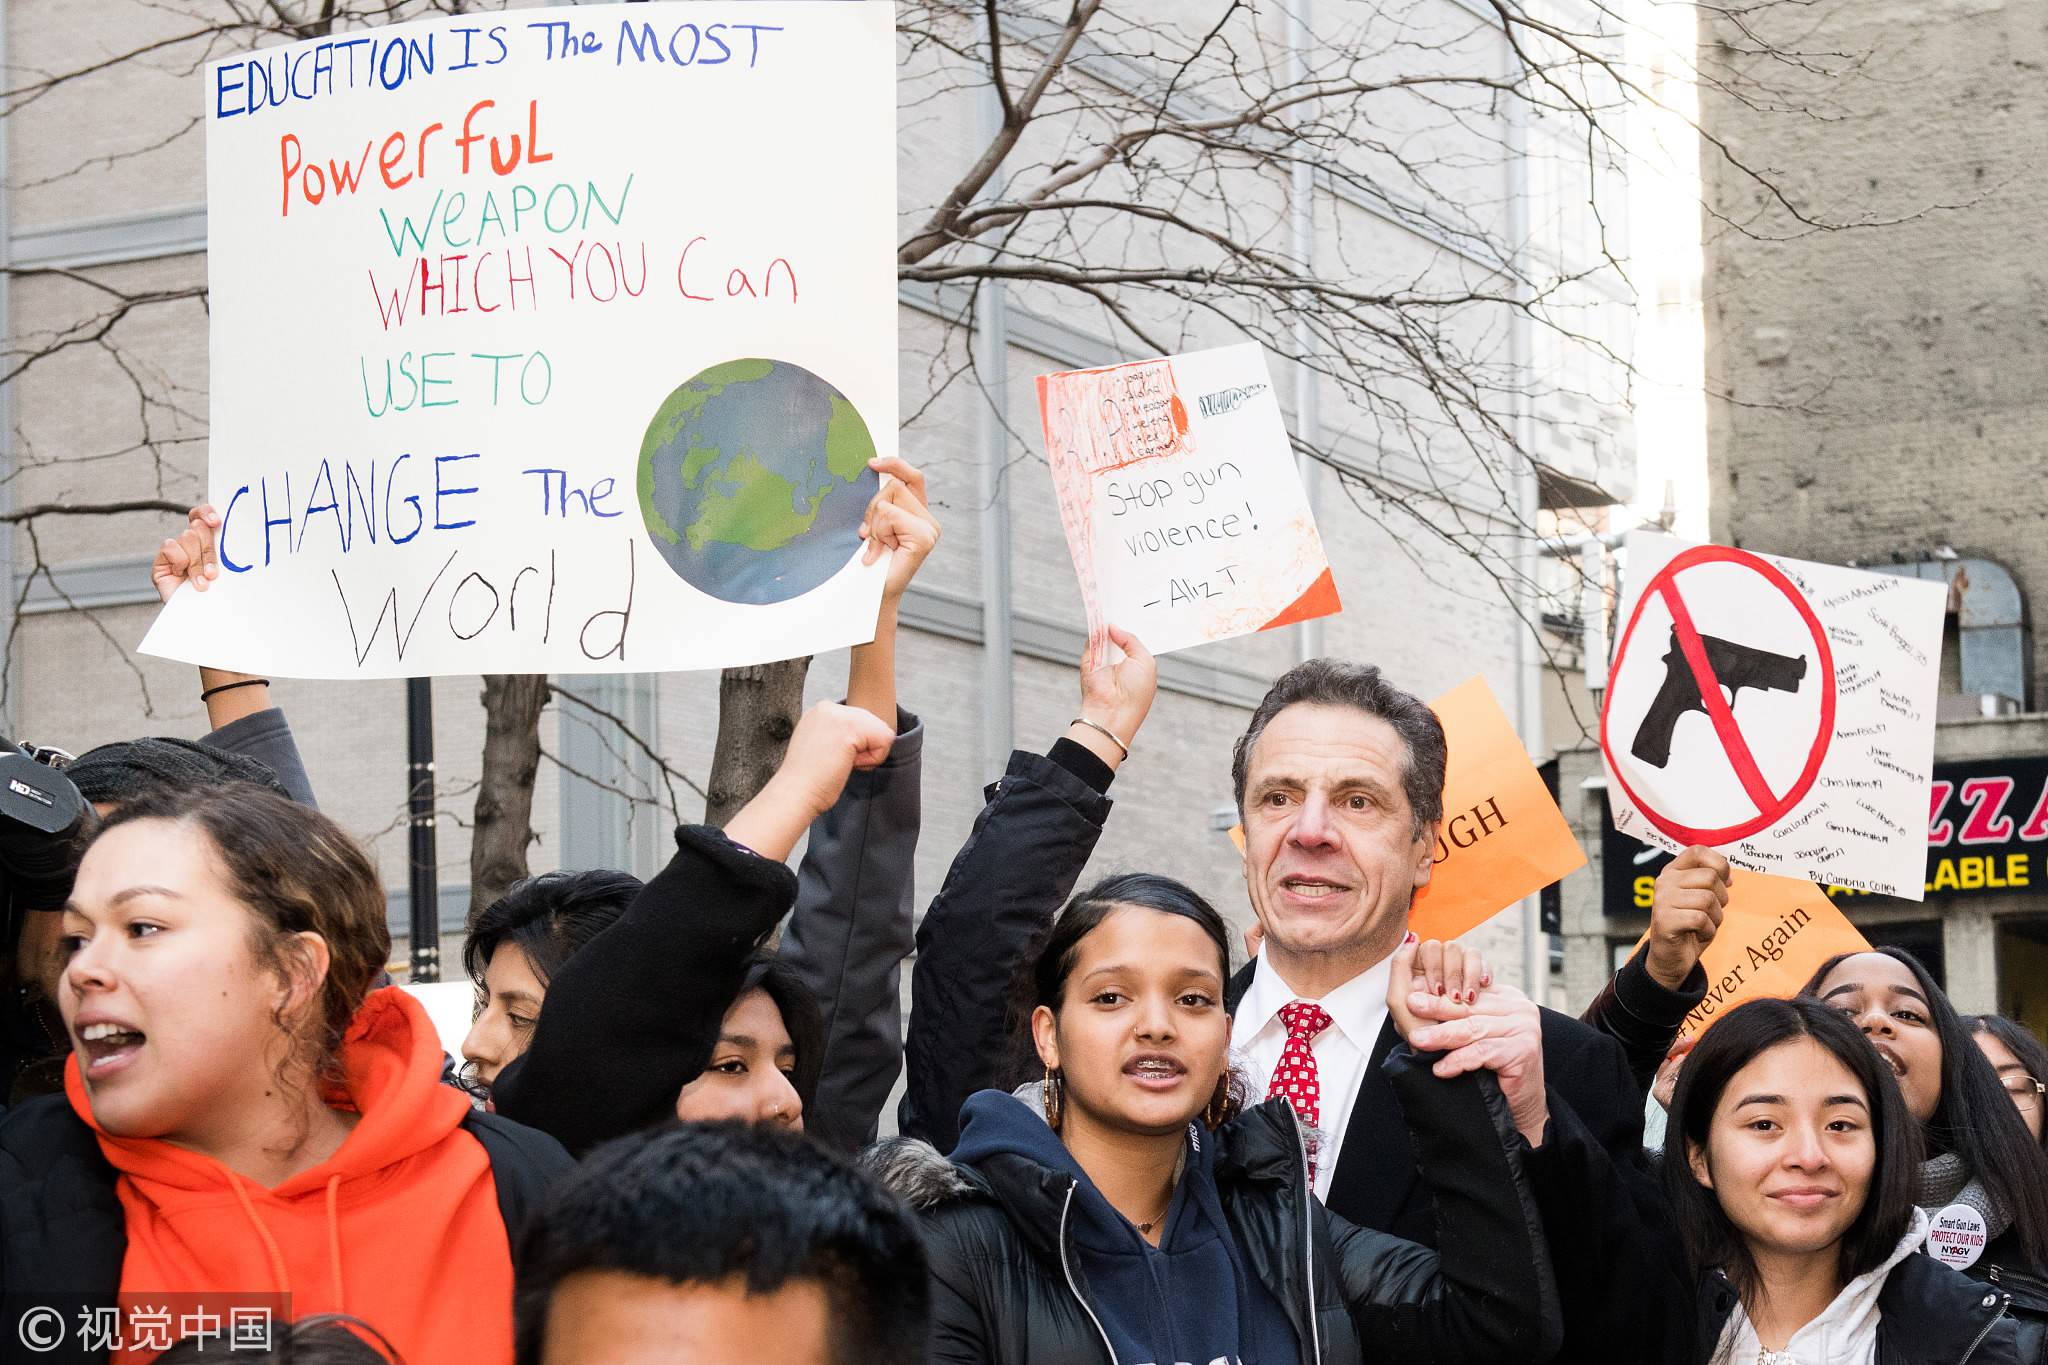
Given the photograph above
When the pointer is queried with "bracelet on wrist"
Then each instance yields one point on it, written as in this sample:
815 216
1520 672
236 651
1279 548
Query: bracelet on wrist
1105 732
212 692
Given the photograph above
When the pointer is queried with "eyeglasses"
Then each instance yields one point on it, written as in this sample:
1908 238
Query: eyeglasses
2026 1092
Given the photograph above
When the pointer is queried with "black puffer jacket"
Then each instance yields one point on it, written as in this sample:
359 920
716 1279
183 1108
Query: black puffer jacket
1005 1289
2005 1269
1659 1309
1928 1314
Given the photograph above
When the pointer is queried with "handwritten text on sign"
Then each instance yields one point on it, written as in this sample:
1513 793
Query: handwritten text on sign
1180 498
1502 836
532 349
1774 934
1778 710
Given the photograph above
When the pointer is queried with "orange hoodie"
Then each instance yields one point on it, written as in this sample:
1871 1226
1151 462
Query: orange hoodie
400 1227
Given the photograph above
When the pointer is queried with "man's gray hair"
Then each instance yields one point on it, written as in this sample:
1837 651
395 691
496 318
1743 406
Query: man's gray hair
1339 682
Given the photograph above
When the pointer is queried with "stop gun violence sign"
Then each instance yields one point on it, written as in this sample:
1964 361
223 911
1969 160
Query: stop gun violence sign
1778 710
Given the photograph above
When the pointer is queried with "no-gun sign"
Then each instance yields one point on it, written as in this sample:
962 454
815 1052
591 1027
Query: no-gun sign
1180 499
548 340
1780 711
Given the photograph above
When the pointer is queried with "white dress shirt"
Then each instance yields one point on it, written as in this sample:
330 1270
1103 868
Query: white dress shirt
1357 1010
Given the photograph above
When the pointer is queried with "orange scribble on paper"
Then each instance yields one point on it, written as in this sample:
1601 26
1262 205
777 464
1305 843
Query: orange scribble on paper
1097 421
1113 417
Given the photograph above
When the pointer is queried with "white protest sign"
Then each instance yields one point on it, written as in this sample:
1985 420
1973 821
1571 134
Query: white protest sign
550 340
1780 711
1181 500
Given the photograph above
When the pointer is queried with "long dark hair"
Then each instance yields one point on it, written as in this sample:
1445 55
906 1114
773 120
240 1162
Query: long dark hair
1043 979
1745 1033
2025 1048
800 1015
1975 1118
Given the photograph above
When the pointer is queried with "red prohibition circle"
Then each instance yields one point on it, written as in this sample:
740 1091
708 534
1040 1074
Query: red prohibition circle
1768 814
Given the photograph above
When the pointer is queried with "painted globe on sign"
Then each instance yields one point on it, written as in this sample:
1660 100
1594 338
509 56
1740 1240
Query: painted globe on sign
753 478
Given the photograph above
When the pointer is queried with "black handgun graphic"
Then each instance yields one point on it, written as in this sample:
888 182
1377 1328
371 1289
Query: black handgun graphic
1735 667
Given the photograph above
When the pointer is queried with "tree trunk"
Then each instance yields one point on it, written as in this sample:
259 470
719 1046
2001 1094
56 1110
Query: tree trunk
504 793
758 708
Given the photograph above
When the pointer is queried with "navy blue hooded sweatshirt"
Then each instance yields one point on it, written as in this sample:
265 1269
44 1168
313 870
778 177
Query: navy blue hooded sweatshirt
1187 1301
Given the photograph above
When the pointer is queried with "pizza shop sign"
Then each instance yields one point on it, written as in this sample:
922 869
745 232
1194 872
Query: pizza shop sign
1987 834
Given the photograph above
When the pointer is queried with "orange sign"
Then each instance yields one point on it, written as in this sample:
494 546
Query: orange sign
1774 933
1502 836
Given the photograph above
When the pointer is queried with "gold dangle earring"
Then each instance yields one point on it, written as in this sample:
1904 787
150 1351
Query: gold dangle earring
1218 1111
1052 1098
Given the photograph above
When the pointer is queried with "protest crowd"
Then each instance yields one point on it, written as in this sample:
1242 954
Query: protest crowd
1118 1141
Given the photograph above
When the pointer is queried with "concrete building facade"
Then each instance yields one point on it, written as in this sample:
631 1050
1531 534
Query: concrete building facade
105 186
1877 328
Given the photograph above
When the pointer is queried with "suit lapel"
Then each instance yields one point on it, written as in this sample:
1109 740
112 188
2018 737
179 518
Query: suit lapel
1375 1180
1375 1175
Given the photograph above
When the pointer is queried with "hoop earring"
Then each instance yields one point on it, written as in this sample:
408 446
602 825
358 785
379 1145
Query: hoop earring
1218 1112
1052 1097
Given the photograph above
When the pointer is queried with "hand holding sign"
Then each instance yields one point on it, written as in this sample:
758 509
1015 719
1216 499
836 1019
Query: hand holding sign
900 524
1116 696
1773 933
188 557
1691 895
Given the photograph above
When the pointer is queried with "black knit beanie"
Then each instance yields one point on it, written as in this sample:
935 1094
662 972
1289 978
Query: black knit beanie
122 771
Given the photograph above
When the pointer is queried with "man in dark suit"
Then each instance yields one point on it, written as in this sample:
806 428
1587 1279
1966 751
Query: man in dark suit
1339 780
1339 777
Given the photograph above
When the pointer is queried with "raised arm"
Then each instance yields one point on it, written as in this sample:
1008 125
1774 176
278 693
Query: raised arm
266 736
1645 1004
900 524
1019 864
1472 1094
856 894
1619 1275
1488 1294
634 1016
238 709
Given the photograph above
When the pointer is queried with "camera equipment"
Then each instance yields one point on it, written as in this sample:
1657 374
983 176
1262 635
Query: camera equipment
41 813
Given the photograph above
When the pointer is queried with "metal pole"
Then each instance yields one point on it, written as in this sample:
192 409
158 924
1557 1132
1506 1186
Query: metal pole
991 342
419 776
1528 658
1593 615
1301 196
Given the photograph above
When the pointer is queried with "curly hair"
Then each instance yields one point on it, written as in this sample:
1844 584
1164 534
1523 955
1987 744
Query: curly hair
296 872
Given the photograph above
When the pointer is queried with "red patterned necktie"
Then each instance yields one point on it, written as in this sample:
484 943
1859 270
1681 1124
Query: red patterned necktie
1294 1079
